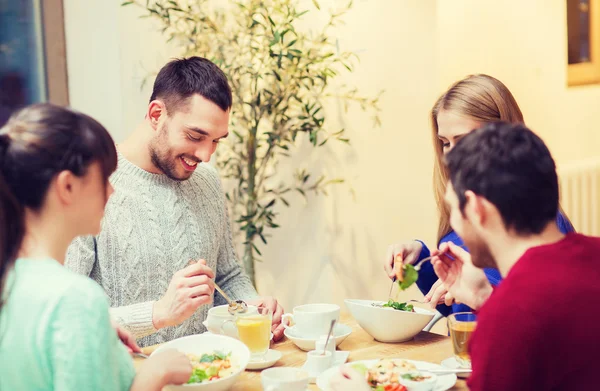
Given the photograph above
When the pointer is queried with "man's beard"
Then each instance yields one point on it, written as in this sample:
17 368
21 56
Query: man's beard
160 155
481 255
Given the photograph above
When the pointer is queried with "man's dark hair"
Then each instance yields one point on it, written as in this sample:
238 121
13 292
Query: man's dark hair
512 168
182 78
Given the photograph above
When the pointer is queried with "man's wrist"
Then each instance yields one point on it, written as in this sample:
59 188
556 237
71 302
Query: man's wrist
158 318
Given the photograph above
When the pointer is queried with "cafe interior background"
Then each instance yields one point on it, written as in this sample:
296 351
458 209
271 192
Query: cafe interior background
95 54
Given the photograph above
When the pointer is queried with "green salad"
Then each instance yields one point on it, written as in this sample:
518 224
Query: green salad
409 277
210 367
400 306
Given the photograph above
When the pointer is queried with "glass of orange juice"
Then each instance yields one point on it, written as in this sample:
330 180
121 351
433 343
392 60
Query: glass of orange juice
462 325
254 330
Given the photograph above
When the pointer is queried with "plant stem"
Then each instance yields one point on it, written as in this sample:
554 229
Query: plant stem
251 204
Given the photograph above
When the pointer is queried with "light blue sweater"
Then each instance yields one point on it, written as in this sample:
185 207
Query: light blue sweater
55 333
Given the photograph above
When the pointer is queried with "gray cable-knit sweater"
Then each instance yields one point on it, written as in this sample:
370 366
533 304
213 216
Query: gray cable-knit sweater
153 226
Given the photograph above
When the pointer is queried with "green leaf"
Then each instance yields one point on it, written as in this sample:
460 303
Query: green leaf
262 238
360 368
399 306
222 356
277 75
316 4
256 249
410 276
126 3
207 358
198 376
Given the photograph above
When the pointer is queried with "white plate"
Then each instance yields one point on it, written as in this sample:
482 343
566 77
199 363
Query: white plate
444 382
451 363
206 343
340 333
269 360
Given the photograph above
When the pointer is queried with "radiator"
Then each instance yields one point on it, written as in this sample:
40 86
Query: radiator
580 195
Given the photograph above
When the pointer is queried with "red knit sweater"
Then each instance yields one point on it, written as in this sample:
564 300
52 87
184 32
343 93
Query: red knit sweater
540 329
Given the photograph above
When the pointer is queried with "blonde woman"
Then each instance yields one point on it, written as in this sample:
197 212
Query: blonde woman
467 105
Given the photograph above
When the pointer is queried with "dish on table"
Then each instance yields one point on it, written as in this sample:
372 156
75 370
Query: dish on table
218 361
387 324
340 333
386 375
210 367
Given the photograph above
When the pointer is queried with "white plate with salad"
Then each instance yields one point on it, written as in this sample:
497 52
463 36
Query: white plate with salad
217 360
395 375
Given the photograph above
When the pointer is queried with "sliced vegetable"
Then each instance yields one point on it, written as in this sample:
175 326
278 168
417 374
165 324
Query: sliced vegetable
360 368
213 357
409 277
198 376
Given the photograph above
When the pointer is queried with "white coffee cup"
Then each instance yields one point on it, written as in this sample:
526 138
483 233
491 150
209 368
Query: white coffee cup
216 318
317 362
312 320
284 379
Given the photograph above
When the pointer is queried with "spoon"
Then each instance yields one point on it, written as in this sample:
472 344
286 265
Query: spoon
140 355
235 307
328 335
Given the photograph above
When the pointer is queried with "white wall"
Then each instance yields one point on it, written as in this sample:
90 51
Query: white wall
110 51
332 247
524 44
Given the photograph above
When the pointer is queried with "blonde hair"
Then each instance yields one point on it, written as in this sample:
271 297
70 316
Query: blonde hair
478 97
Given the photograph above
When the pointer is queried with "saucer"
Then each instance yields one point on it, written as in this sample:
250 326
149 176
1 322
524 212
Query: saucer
340 333
210 332
451 363
269 360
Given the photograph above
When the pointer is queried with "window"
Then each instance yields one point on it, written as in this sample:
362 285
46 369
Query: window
583 30
32 54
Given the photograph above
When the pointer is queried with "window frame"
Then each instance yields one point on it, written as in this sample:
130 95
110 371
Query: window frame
588 72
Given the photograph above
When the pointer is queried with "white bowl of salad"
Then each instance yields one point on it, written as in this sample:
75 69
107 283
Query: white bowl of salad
218 361
389 321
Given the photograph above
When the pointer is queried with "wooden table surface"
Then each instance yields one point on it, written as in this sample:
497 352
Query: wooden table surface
424 347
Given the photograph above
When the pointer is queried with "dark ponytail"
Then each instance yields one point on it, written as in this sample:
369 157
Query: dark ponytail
36 144
12 227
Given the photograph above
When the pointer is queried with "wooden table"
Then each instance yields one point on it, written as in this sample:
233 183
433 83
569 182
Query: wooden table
424 347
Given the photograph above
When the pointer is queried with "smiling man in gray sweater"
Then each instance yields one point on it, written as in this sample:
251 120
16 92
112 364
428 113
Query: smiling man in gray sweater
168 212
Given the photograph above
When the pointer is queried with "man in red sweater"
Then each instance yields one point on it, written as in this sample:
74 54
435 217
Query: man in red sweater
539 329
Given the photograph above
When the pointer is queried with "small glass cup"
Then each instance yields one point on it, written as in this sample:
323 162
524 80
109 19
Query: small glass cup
461 326
254 330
